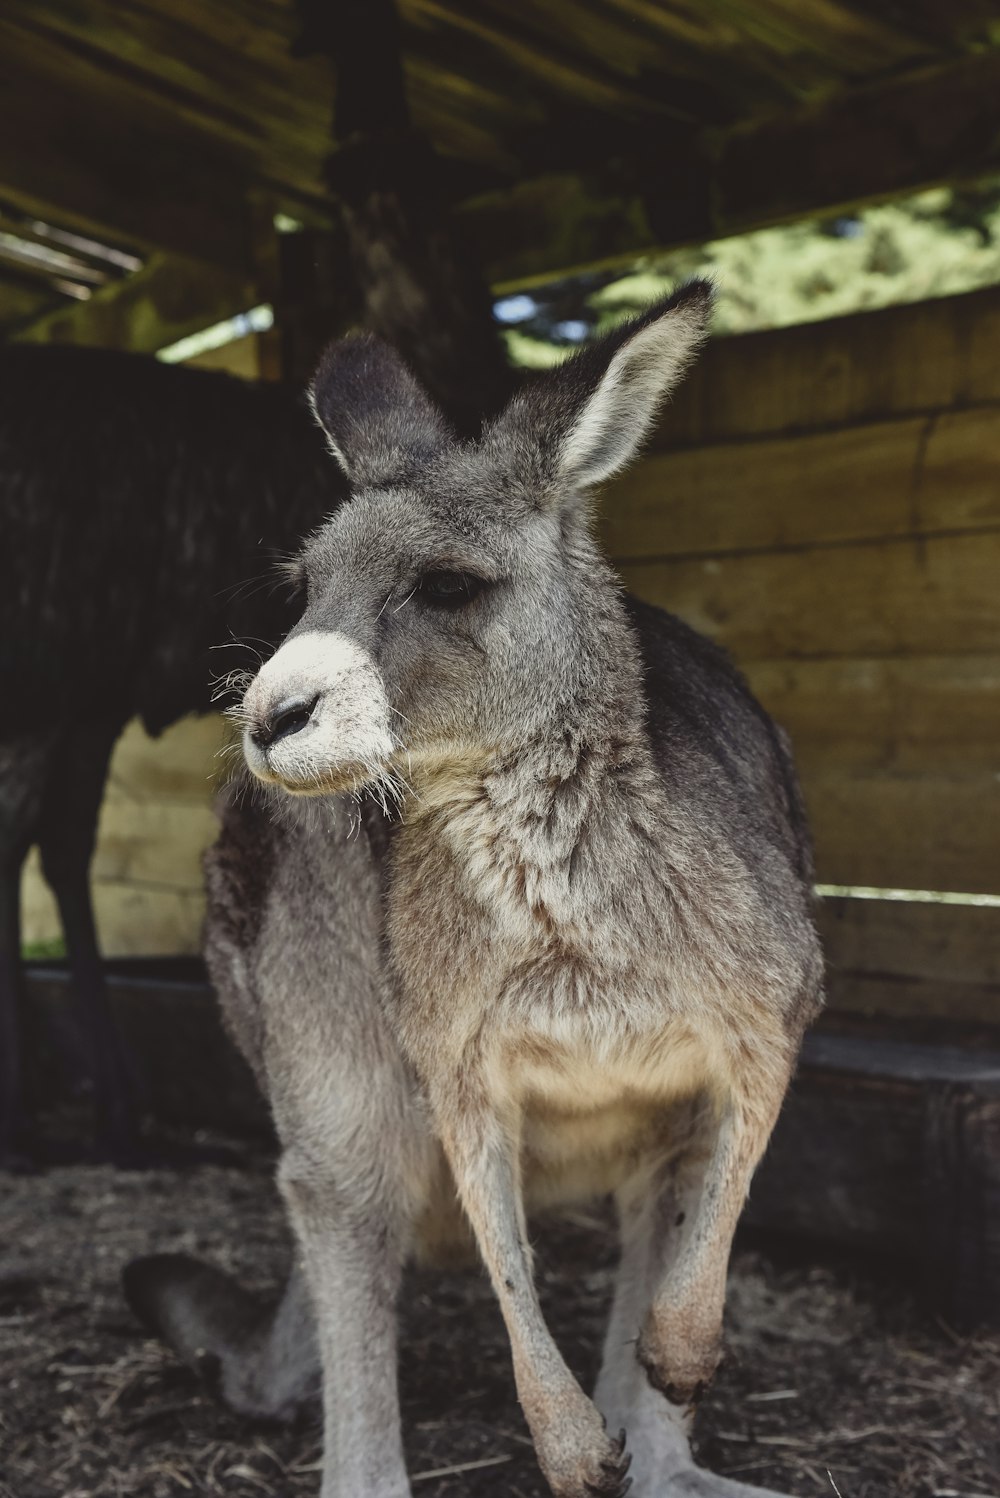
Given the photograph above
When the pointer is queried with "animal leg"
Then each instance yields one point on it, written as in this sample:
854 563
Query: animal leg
574 1450
11 1003
23 770
352 1173
352 1245
262 1361
702 1193
662 1464
66 836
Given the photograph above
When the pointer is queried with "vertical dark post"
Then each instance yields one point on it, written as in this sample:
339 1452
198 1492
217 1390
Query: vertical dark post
11 1004
960 1178
417 285
317 298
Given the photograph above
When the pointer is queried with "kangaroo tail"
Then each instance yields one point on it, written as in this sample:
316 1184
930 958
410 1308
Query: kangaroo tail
261 1360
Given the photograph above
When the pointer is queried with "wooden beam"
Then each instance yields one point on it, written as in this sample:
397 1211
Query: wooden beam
670 187
913 959
23 299
917 476
934 125
892 1145
873 366
115 148
123 167
226 71
169 298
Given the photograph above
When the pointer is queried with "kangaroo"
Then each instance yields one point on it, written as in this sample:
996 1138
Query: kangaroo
525 918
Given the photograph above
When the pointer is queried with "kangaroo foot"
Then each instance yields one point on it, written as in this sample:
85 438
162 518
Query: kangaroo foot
205 1317
613 1480
680 1360
580 1459
693 1483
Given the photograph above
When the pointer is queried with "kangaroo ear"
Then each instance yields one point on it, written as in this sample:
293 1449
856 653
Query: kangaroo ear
379 423
587 419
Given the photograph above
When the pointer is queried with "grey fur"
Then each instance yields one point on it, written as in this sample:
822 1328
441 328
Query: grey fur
579 958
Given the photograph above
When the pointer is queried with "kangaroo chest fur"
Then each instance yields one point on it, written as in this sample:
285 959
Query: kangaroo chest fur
542 953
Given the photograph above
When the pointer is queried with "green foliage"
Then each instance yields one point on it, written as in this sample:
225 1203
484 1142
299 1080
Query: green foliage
937 243
42 951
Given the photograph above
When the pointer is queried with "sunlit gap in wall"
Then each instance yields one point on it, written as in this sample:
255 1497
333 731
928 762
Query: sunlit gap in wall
916 896
936 243
257 320
68 263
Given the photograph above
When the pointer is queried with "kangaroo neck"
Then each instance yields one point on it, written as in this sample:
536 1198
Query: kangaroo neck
569 800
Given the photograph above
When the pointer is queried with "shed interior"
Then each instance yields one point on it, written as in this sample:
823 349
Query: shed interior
824 500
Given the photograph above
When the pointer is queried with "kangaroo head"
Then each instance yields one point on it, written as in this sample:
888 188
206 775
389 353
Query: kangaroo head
456 605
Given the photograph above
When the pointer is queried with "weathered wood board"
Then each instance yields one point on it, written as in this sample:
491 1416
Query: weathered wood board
825 502
906 832
917 475
928 358
933 715
906 596
905 958
171 297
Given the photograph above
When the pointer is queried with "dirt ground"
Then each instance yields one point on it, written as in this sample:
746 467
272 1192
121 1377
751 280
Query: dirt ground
835 1382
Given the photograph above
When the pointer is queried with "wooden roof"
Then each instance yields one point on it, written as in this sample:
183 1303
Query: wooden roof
578 130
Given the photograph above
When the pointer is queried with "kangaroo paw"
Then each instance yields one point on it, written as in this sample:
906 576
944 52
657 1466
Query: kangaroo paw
614 1481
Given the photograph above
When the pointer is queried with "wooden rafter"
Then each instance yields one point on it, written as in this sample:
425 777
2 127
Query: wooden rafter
170 298
574 144
934 127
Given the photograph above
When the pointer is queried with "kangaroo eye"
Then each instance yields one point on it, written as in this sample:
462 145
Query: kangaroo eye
450 590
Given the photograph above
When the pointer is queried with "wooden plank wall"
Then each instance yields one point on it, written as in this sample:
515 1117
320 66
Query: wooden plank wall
825 501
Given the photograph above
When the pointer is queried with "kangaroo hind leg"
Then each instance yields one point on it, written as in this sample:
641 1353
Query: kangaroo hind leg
673 1241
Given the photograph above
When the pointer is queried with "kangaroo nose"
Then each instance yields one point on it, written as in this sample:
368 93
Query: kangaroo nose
285 719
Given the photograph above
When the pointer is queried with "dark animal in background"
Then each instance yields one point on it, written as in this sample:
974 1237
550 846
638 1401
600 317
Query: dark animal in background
141 506
137 498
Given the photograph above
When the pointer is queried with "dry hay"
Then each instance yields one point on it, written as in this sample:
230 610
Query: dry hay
835 1382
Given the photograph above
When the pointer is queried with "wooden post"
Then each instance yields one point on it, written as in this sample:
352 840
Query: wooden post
417 283
318 297
961 1193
